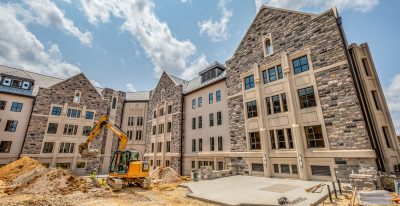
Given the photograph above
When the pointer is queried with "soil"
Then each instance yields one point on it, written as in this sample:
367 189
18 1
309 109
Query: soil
15 169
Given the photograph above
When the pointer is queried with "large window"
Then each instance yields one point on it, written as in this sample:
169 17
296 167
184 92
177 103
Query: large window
276 104
11 126
200 145
210 98
16 107
56 111
5 146
300 64
86 130
66 147
200 101
218 95
89 115
220 147
194 123
249 82
193 145
211 117
251 109
255 143
200 122
272 74
212 143
219 118
3 104
281 139
48 147
70 129
306 97
314 136
75 113
52 128
194 104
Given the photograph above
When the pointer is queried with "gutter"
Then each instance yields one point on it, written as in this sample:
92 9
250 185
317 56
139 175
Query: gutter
182 135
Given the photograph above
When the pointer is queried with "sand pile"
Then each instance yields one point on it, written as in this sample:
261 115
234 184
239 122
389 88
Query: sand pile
24 165
165 175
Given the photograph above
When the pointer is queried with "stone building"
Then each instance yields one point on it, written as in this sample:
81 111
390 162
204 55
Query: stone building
299 105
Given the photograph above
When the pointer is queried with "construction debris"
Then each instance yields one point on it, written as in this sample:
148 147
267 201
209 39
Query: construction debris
165 175
365 179
24 165
375 197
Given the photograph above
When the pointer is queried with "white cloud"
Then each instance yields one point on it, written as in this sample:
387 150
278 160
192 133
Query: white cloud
155 37
46 13
320 5
217 30
393 100
130 87
20 48
186 1
95 83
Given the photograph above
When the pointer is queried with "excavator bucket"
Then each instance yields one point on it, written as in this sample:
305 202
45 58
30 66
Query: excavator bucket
86 153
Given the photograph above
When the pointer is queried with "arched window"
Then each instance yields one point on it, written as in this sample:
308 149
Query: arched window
77 97
267 46
114 102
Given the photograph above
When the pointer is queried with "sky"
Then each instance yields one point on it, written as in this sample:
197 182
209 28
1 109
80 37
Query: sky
126 44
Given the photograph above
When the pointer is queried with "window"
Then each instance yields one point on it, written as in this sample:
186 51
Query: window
151 162
70 129
218 95
114 102
220 147
249 82
366 67
200 102
257 167
75 113
276 168
376 100
161 112
160 128
5 146
265 76
219 118
63 165
154 129
387 137
272 136
212 143
200 122
169 109
52 128
80 165
281 139
211 117
86 130
314 137
16 107
194 123
320 170
267 46
200 145
129 134
255 143
284 102
294 169
193 145
11 126
220 165
66 147
210 98
279 70
130 121
290 138
159 147
56 111
306 97
138 134
48 147
16 83
77 97
300 65
167 163
89 115
152 147
268 103
194 104
169 127
272 74
276 104
3 104
285 168
162 95
168 149
139 121
193 164
155 114
251 109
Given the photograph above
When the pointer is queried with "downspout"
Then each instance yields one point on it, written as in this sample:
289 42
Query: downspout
26 131
182 134
361 96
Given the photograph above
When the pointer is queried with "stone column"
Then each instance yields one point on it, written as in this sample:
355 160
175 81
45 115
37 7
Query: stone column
215 163
301 160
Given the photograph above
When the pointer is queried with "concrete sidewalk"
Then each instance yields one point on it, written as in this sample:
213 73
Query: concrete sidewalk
241 190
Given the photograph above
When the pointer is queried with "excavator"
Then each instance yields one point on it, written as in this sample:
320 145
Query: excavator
125 168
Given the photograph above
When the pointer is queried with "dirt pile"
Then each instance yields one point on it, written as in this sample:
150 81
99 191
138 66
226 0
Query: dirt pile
24 165
165 175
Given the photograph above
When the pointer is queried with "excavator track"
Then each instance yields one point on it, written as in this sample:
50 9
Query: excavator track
115 183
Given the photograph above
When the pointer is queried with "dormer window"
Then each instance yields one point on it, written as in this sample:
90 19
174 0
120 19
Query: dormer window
77 97
16 83
267 44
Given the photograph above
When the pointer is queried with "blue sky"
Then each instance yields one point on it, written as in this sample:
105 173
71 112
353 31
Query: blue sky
125 45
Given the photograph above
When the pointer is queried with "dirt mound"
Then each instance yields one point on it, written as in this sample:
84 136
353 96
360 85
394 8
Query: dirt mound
165 175
56 181
17 168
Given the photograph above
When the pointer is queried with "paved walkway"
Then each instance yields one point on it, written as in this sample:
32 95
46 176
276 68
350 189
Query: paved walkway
237 190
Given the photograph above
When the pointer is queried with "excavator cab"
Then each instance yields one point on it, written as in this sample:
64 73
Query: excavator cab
121 159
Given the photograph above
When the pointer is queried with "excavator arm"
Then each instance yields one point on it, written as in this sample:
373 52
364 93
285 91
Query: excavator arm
101 123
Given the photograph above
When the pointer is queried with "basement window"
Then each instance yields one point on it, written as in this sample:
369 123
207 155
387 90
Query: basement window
318 170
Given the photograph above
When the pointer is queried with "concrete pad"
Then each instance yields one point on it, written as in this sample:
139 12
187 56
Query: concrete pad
241 190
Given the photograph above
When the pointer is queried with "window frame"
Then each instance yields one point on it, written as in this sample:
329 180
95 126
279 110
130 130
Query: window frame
11 126
251 108
306 101
16 107
314 139
254 140
301 65
249 82
218 95
210 98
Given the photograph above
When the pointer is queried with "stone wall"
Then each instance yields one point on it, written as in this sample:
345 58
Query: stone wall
237 130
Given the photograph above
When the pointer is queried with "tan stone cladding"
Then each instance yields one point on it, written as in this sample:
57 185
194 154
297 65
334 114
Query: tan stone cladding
340 106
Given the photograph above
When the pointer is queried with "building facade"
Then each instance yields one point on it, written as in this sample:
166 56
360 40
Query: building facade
295 100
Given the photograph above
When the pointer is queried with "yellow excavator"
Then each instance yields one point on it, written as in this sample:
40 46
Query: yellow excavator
125 167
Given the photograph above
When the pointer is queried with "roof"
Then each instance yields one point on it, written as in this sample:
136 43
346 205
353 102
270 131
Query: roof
196 84
212 66
138 96
40 80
